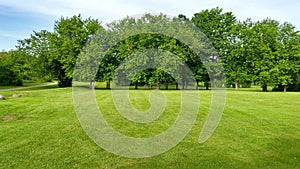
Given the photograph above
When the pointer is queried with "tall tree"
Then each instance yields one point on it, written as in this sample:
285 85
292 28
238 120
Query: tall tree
238 59
287 61
69 37
38 46
218 27
266 51
58 50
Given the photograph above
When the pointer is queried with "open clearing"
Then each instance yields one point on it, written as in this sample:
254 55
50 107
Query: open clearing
257 130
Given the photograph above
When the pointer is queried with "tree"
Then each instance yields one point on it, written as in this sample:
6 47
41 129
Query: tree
14 66
23 64
128 36
218 27
266 51
238 60
69 37
58 51
287 61
38 47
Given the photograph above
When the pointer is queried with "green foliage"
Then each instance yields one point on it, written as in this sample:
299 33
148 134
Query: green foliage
125 40
216 25
263 52
9 78
223 32
287 66
57 51
15 67
38 47
266 52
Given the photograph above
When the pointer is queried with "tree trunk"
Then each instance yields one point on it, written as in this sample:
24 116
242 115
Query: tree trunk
108 84
236 84
136 85
64 82
92 84
167 86
197 85
186 84
176 86
182 84
206 86
158 85
265 88
284 88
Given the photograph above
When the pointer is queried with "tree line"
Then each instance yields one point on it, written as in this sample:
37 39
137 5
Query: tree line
265 53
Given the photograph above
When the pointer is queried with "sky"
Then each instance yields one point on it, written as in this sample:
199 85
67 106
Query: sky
19 18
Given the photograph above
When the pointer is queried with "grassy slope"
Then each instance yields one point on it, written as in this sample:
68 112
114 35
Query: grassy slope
257 130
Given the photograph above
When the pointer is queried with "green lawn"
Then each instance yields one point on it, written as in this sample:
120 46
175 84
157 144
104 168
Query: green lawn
257 130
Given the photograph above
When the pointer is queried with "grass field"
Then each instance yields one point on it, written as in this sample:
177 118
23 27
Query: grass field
257 130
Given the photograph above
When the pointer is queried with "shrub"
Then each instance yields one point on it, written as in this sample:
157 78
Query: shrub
9 78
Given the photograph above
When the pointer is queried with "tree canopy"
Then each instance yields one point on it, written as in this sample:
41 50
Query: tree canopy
57 51
265 53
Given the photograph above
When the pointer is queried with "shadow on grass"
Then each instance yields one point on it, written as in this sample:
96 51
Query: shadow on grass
31 88
54 86
99 88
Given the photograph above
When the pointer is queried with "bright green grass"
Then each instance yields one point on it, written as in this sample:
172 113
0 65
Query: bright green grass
257 130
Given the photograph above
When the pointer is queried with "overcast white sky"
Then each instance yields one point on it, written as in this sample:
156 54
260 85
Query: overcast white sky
18 18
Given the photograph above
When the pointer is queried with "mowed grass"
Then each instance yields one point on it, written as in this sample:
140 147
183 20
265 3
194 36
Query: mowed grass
257 130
